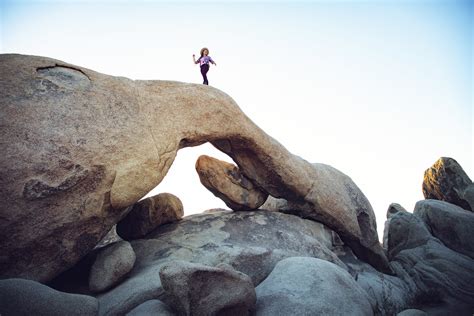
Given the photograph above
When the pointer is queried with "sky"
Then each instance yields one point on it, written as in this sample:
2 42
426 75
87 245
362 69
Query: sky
377 89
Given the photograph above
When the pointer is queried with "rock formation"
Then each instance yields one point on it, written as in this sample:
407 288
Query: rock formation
195 289
111 266
225 181
79 147
447 181
148 214
311 283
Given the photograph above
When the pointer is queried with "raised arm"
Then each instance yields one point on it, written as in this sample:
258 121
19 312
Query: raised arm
194 59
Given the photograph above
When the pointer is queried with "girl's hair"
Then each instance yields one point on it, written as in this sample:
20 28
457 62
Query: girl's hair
202 51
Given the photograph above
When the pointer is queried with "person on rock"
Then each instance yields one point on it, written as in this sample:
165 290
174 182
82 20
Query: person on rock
204 61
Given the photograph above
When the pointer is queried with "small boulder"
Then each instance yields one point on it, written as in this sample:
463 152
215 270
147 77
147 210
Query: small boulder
449 223
447 181
195 289
148 214
310 286
111 266
151 307
25 297
226 182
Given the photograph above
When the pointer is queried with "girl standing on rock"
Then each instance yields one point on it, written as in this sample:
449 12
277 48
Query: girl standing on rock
204 61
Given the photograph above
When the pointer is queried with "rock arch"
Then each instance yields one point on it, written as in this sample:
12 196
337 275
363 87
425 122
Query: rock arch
80 146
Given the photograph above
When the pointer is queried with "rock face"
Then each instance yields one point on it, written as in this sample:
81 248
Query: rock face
25 297
452 225
251 242
432 272
310 286
195 289
393 209
79 147
148 214
337 191
111 266
447 181
226 182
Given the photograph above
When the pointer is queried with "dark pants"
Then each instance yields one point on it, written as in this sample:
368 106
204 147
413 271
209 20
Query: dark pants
204 70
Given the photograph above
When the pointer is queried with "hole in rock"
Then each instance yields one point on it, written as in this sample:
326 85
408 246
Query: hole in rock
183 181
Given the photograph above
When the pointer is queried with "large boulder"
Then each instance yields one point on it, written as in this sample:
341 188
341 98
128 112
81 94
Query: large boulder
310 286
196 289
251 242
447 181
435 274
449 223
21 297
79 147
111 266
226 182
148 214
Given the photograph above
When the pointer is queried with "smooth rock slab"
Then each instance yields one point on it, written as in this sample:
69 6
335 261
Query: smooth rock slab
310 286
21 297
111 266
195 289
148 214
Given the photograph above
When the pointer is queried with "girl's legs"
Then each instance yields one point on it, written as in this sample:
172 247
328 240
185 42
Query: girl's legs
204 70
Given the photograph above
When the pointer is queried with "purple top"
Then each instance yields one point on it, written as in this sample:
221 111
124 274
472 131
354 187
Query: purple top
205 60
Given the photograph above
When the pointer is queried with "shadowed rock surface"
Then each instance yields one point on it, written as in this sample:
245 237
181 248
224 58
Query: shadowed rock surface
251 242
435 274
79 147
452 225
447 181
196 289
21 297
111 265
148 214
226 182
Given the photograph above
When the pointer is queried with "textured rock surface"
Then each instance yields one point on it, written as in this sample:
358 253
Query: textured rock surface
447 181
251 242
148 214
26 297
310 286
337 191
111 266
449 223
433 272
393 209
387 294
150 308
79 147
226 182
196 289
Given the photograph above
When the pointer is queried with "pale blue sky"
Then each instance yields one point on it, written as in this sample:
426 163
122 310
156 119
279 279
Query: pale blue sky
377 89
